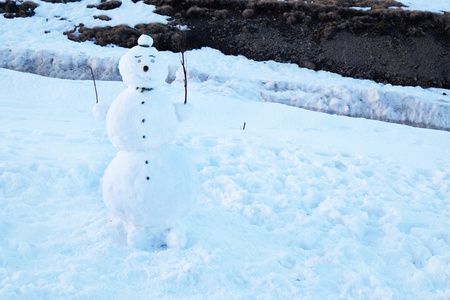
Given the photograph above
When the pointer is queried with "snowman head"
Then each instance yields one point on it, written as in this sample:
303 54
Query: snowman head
143 66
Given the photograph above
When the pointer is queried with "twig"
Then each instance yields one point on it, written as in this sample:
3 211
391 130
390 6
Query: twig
95 86
154 28
185 77
182 47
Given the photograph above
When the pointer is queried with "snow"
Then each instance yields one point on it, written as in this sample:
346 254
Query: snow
437 6
40 48
319 91
299 205
361 8
154 190
137 121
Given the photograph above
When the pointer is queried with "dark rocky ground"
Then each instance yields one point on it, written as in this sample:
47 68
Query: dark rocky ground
385 44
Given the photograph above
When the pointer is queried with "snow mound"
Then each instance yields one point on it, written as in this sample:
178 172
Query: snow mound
270 81
320 91
371 102
60 65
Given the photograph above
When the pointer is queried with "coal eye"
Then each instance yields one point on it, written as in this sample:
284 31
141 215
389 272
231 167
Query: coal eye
139 60
152 60
145 68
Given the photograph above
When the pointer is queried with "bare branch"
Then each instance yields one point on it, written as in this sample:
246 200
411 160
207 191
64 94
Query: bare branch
95 86
182 48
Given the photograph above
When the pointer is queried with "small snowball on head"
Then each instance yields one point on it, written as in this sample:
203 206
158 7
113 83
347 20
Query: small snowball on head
145 41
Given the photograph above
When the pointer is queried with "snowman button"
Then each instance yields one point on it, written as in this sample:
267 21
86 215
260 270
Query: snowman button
143 102
143 136
143 120
148 178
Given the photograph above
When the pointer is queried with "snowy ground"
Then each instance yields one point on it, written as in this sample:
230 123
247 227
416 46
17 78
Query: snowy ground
300 204
438 6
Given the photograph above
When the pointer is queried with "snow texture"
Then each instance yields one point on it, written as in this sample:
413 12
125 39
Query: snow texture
288 84
299 205
100 110
151 188
36 45
60 65
139 120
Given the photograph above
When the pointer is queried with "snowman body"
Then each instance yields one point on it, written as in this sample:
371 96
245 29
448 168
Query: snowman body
151 184
150 189
141 120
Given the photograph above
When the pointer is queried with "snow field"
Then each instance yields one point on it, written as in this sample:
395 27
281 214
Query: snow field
338 208
298 205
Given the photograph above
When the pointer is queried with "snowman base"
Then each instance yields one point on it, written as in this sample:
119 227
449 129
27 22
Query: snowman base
148 240
152 192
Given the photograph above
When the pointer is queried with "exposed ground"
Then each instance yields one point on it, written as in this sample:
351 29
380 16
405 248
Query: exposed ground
12 9
386 45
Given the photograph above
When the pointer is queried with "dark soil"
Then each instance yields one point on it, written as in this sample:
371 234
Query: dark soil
11 9
384 44
165 37
107 5
61 1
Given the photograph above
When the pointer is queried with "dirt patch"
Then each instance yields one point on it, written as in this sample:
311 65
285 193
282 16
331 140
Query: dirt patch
103 18
12 9
61 1
108 5
383 43
165 37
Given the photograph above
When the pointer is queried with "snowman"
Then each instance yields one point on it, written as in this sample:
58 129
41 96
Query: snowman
151 184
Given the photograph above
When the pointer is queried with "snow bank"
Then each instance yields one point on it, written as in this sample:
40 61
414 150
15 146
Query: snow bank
271 81
377 102
60 65
321 91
